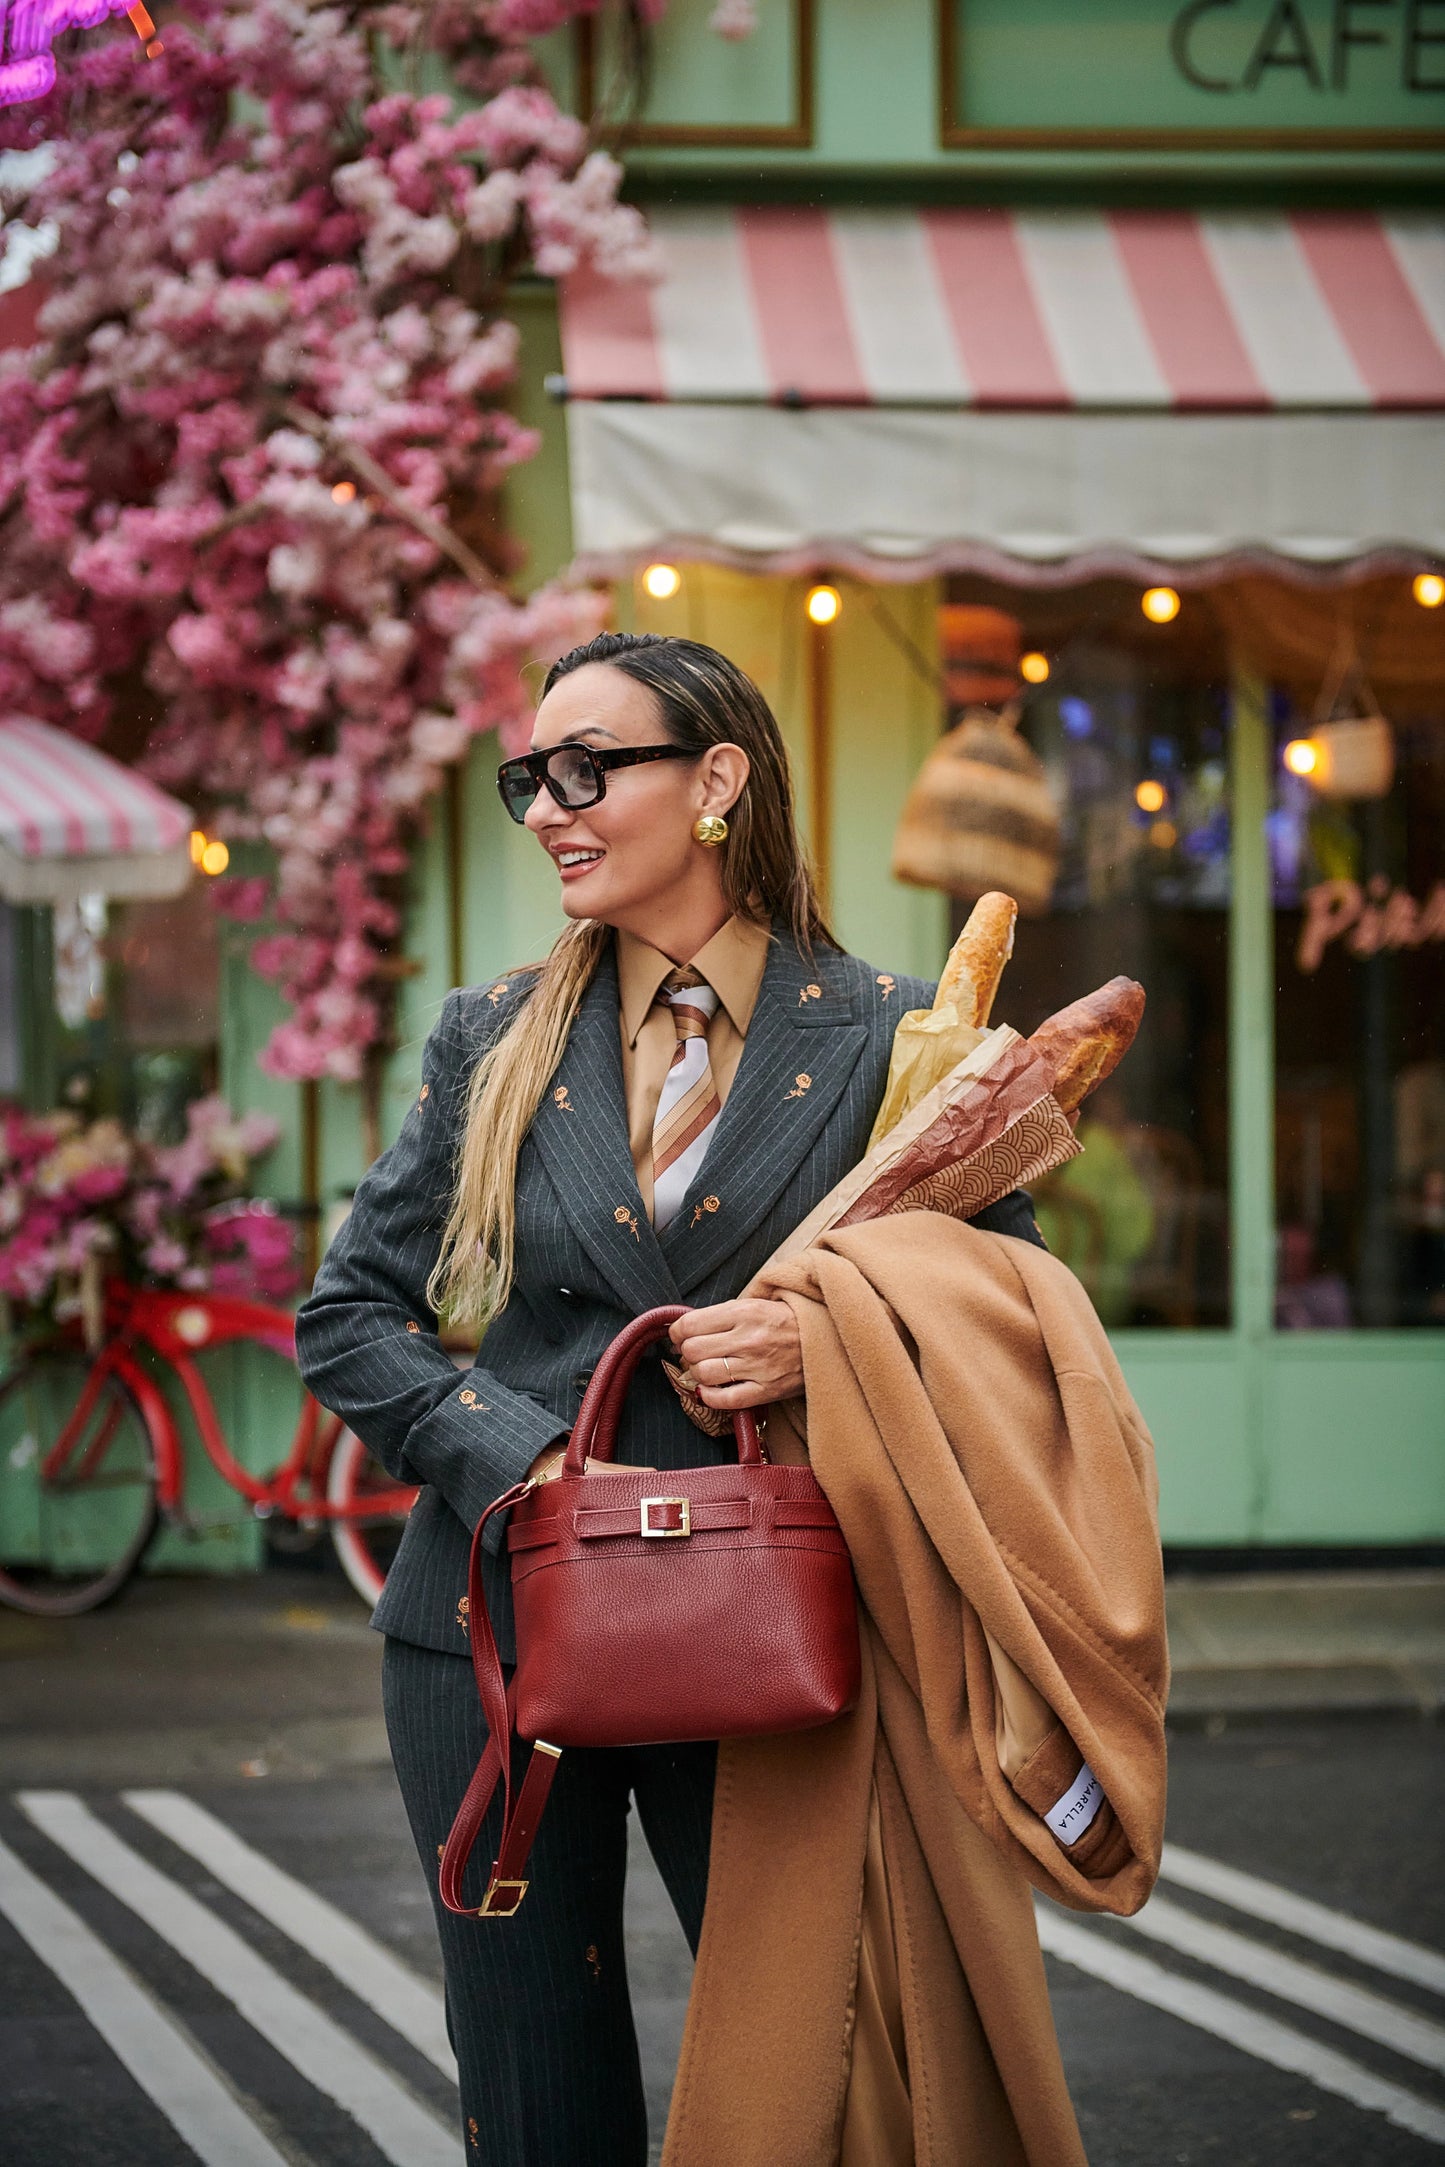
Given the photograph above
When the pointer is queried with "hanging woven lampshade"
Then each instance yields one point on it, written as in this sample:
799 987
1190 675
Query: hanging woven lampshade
979 816
1353 744
1354 757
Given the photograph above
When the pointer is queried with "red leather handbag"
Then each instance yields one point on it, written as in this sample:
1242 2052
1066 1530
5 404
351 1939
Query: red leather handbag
709 1602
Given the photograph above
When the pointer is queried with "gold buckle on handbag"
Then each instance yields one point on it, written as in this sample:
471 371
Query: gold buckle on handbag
503 1909
665 1534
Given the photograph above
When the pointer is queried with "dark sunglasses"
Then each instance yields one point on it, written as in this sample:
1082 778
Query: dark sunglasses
575 774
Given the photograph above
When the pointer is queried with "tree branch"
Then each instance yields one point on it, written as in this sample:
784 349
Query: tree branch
375 476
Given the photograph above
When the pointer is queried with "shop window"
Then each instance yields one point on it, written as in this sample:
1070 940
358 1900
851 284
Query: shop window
1357 836
167 978
120 1002
1129 719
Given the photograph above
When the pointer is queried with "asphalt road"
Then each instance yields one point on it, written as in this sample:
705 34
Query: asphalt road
198 1962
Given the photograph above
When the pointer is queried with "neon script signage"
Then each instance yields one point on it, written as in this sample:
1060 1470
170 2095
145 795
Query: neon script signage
1367 919
29 28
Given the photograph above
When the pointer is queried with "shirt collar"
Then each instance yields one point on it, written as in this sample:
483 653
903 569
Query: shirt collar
732 962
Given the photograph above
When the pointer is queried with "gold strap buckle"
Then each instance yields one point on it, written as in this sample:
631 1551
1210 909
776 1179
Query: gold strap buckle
503 1898
666 1534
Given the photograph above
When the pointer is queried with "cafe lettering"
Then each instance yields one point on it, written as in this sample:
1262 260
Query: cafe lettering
1228 46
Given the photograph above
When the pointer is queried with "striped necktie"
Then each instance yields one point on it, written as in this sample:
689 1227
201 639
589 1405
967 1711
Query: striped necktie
688 1107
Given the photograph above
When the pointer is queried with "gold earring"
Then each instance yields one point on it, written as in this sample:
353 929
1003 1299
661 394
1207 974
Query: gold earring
710 830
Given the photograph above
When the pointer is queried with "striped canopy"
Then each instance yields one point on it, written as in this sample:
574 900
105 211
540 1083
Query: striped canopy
1038 395
1046 309
75 822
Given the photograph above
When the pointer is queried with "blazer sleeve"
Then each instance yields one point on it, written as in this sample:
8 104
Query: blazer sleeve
366 1340
1012 1214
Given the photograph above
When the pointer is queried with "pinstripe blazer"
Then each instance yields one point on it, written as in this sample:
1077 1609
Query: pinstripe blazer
587 1259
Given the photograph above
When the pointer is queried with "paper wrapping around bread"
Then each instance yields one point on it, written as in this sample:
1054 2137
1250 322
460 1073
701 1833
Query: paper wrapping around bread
930 1042
1032 1145
896 1163
993 1123
928 1045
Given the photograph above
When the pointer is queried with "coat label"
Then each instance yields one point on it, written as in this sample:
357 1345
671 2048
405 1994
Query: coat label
1075 1811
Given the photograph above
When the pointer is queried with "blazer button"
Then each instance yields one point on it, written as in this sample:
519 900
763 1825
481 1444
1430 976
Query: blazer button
581 1379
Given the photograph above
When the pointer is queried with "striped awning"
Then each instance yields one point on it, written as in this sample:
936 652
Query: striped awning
1222 311
1040 396
75 822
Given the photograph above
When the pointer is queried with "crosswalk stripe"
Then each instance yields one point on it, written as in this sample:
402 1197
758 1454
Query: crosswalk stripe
410 2005
324 2054
1303 1916
157 2053
1239 2024
1337 2000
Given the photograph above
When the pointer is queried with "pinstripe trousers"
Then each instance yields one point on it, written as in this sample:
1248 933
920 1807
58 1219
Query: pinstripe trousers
537 2005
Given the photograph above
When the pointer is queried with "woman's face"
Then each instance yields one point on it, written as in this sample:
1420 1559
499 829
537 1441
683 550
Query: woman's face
631 860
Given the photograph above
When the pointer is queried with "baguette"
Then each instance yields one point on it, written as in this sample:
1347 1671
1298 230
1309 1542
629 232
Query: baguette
1086 1041
975 964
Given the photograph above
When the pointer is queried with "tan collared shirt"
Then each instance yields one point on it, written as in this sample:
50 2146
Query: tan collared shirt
732 963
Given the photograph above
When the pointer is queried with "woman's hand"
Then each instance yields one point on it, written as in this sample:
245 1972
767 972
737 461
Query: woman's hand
742 1354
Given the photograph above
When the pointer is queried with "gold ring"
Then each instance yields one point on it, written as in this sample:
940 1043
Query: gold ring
727 1365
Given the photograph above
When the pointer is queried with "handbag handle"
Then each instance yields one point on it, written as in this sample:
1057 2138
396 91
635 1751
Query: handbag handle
594 1434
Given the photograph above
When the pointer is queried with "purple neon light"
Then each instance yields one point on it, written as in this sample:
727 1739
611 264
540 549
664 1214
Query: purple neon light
28 29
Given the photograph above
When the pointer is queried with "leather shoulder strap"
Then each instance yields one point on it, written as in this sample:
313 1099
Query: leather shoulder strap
521 1815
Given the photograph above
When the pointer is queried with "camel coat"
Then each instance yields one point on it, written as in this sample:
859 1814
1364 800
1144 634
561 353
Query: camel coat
995 1483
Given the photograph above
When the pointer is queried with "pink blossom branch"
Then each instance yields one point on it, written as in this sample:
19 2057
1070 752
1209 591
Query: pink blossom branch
375 476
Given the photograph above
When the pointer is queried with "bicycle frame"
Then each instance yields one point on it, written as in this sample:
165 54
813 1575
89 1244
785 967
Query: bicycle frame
174 1327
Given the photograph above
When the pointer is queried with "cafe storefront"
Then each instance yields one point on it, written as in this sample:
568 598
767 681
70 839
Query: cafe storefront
1172 472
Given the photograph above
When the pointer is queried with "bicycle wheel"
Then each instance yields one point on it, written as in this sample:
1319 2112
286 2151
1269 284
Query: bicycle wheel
367 1544
77 1486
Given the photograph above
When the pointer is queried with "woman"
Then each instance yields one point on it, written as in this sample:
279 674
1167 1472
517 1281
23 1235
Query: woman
641 1119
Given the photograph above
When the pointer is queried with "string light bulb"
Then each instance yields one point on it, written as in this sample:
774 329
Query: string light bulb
1034 669
1160 605
661 581
1428 589
215 857
823 604
1301 756
1151 796
342 492
198 844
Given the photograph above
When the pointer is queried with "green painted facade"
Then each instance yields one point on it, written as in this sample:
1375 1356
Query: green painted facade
1026 97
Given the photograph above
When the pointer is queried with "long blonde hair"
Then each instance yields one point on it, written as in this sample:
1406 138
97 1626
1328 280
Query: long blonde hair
703 699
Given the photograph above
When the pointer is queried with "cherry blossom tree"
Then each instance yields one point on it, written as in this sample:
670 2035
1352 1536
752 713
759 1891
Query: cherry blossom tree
249 519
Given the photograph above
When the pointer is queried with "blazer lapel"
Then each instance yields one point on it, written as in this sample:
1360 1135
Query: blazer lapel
580 1129
802 1047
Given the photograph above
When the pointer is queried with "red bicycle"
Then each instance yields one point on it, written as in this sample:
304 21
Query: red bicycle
92 1465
